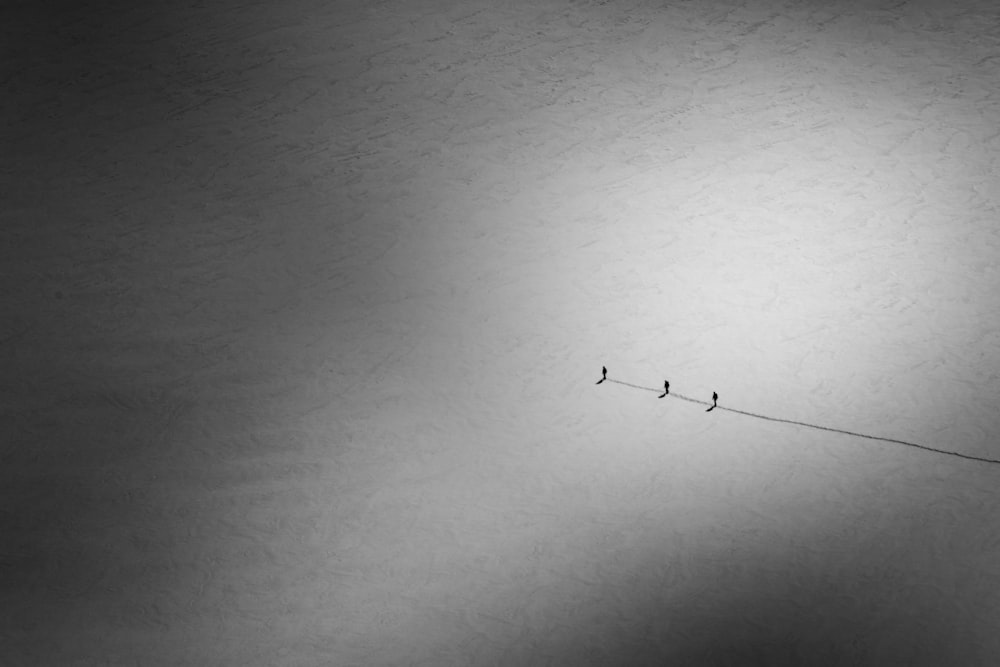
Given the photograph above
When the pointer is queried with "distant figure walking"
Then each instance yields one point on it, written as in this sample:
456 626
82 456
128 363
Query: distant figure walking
715 402
666 389
604 375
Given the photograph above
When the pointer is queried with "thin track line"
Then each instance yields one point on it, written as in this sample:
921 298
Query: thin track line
808 425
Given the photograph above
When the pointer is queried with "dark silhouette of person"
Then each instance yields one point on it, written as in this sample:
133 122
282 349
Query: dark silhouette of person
666 389
715 402
604 375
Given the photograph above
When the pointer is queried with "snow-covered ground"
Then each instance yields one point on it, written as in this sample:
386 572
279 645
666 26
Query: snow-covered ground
303 305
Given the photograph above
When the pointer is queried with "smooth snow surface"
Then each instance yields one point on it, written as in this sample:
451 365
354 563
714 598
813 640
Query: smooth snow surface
303 305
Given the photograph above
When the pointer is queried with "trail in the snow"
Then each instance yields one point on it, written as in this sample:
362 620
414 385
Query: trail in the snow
815 426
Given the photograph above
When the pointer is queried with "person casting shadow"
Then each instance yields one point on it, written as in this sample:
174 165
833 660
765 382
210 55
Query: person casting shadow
604 375
666 389
715 402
